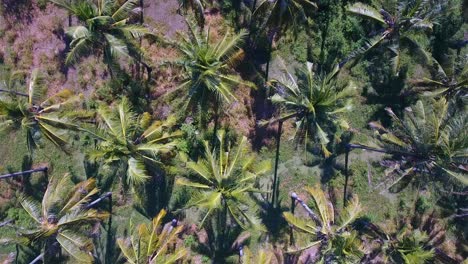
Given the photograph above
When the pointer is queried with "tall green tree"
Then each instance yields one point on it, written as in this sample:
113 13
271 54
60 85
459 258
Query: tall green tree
317 104
105 30
336 240
153 243
404 23
129 142
418 239
280 15
225 179
208 67
448 82
429 142
26 107
62 221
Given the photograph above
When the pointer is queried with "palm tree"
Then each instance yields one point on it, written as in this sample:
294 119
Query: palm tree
317 103
61 220
105 30
225 181
403 22
35 114
129 141
336 241
281 15
412 239
431 141
153 243
448 83
208 68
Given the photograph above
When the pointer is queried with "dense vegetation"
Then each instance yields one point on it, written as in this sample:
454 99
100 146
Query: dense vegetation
269 131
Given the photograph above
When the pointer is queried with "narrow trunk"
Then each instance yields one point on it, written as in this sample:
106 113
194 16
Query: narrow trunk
10 175
270 47
37 259
69 15
142 19
13 92
254 5
346 176
275 191
216 123
110 240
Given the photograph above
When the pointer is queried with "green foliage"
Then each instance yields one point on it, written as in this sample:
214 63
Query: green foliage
334 237
60 219
152 243
124 143
225 180
408 50
208 79
106 28
27 108
317 104
431 138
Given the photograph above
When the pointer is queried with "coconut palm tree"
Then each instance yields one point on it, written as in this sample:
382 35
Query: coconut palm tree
412 239
431 141
209 78
403 22
447 82
317 104
62 220
153 243
336 240
281 15
129 141
106 31
225 180
35 114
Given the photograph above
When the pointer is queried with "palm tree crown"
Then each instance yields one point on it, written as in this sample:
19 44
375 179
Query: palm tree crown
126 141
225 180
208 68
284 14
34 113
449 83
337 242
106 29
432 138
315 102
402 24
62 218
151 243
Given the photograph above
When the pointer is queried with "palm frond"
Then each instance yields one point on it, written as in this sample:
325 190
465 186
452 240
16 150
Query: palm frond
366 11
136 171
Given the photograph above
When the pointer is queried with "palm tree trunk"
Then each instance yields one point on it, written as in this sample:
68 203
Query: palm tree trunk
69 15
254 5
13 92
348 149
109 242
38 258
10 175
270 47
142 18
216 123
275 191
